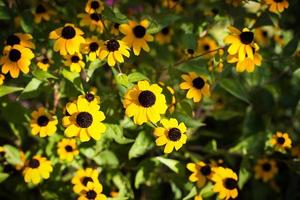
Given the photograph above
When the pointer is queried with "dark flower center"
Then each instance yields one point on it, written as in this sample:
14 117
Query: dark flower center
68 32
91 194
205 170
90 97
266 167
165 31
95 17
174 134
265 33
93 46
116 25
34 163
43 120
75 59
278 1
12 40
45 60
215 11
40 9
246 37
146 98
206 47
230 183
85 180
14 55
280 140
139 31
69 148
84 119
112 45
198 83
191 51
95 5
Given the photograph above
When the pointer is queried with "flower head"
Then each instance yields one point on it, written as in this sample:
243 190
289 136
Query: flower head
164 36
67 149
277 6
265 169
75 62
201 172
93 21
94 6
21 39
42 12
92 192
83 177
92 48
281 141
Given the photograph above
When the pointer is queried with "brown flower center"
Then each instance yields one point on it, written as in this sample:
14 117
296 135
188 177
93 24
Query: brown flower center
266 167
246 37
139 31
45 60
205 170
34 163
40 9
12 40
191 51
147 98
95 17
84 119
206 47
278 1
174 134
198 83
69 148
94 46
14 55
116 25
85 180
280 140
68 32
75 59
230 183
43 120
91 194
112 45
95 5
89 97
165 31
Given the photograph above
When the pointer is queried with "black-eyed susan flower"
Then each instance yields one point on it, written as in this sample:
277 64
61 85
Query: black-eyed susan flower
277 6
67 149
36 169
197 86
136 36
201 173
114 50
42 12
190 53
44 62
94 6
247 64
164 36
43 123
84 120
172 4
67 39
281 141
75 62
279 39
92 48
172 135
2 78
93 21
91 97
225 183
16 58
262 36
145 103
265 169
241 42
92 192
115 29
23 39
83 177
207 44
198 197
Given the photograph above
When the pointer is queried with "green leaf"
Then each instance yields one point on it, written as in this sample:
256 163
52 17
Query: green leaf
92 67
4 90
145 173
31 89
3 176
114 16
188 41
198 66
74 78
124 186
143 143
4 14
244 173
122 79
291 47
191 194
12 155
106 158
136 76
115 132
188 121
26 22
235 88
43 75
207 191
174 165
263 20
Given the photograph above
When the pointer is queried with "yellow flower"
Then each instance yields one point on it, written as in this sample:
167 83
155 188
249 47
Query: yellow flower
198 197
145 103
23 161
91 97
197 86
207 44
42 12
247 64
277 6
42 123
2 78
281 141
93 21
74 62
20 38
262 36
94 6
201 172
172 101
16 58
225 183
84 120
83 177
136 36
36 169
279 39
190 53
115 30
265 169
92 192
44 62
92 48
241 43
114 50
67 149
164 36
171 135
68 39
172 4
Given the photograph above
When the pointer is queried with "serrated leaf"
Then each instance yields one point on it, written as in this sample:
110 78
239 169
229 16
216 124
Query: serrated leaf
12 155
4 90
115 132
143 143
235 88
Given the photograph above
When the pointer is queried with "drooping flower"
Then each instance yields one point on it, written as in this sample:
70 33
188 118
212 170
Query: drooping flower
265 169
93 21
23 39
262 36
145 103
164 36
201 172
42 12
277 6
115 29
94 6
